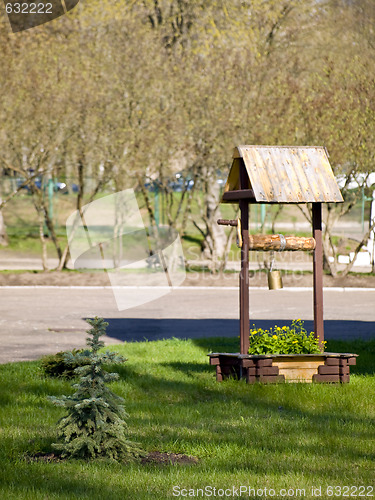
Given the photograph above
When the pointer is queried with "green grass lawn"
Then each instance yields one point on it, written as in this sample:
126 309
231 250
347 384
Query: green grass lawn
262 436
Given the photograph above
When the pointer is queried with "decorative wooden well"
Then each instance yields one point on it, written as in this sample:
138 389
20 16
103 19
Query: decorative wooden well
290 175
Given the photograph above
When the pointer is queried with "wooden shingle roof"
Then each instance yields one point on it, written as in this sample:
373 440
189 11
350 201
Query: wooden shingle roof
285 174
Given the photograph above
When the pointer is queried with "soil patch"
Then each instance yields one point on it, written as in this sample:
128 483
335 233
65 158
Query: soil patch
157 457
44 457
154 457
54 278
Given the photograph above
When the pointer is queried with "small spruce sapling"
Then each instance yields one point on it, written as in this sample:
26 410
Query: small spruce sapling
95 425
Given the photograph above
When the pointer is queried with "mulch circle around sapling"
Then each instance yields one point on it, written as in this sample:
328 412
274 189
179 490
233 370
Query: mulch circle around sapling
44 457
158 457
154 457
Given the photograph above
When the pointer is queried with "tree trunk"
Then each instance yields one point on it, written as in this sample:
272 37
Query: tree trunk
3 232
42 209
214 244
150 210
358 249
188 207
42 240
224 260
64 259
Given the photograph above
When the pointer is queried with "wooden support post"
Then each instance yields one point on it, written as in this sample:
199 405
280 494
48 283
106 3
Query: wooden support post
318 273
244 274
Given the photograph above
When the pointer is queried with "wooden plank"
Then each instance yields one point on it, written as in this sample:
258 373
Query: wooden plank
244 274
236 153
228 361
344 370
332 361
326 378
251 379
267 370
345 379
214 361
225 370
328 370
299 363
247 363
233 181
352 361
299 370
219 376
241 194
258 174
298 374
318 273
264 362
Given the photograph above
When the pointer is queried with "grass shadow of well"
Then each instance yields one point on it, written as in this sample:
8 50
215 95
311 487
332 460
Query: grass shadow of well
262 418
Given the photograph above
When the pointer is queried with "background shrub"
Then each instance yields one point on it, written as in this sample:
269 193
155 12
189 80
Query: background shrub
61 364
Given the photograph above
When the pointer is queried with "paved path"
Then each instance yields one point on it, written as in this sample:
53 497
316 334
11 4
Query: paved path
40 320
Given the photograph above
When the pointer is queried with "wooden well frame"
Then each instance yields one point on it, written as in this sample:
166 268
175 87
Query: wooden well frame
291 175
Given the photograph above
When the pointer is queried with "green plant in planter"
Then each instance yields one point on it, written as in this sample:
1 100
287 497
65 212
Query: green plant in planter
95 424
292 339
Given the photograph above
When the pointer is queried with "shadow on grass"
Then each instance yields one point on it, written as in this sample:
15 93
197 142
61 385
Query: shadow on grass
180 403
190 369
357 337
276 419
139 329
67 480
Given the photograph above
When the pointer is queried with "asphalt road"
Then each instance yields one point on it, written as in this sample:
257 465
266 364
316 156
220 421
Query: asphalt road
40 320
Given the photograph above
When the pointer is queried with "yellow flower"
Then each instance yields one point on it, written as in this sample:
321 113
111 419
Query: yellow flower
274 336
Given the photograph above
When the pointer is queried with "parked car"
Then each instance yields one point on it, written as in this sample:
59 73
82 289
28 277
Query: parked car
20 180
58 187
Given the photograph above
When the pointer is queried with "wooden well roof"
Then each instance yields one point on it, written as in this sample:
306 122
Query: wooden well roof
285 174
